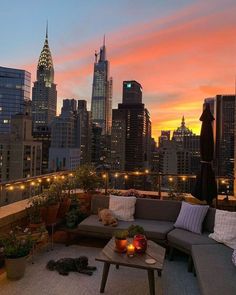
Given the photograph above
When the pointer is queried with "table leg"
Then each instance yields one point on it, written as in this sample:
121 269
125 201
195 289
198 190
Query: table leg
151 281
106 267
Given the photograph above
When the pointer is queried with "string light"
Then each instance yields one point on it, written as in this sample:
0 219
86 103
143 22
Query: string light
32 183
48 179
170 179
22 186
104 176
223 181
183 178
126 176
11 188
146 171
116 175
63 177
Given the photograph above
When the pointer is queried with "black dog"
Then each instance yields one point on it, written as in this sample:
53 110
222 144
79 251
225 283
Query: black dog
65 265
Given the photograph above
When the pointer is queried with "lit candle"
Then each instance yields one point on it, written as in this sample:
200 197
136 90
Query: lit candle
130 250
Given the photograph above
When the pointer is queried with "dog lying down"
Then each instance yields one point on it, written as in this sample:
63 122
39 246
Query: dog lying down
65 265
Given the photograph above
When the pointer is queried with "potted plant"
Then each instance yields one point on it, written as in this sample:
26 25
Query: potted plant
87 179
49 203
121 240
16 248
135 230
72 219
61 190
34 214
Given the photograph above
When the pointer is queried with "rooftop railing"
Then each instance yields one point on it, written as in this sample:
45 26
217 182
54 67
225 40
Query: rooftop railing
158 183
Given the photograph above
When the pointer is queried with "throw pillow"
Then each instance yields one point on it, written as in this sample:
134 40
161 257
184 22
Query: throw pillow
122 207
191 217
225 228
234 257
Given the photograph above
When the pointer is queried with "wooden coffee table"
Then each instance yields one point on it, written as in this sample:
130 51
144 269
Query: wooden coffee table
109 256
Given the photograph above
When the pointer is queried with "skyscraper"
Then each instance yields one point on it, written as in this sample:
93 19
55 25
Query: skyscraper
14 94
64 152
102 92
44 101
225 132
131 131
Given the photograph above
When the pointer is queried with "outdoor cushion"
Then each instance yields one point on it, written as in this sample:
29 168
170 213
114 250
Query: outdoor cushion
215 272
163 210
191 217
99 202
234 257
185 239
225 228
122 207
154 229
92 225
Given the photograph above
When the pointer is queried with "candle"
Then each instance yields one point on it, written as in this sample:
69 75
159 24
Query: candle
130 250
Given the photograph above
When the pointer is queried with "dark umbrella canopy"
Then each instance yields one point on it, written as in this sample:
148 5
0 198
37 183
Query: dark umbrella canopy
205 187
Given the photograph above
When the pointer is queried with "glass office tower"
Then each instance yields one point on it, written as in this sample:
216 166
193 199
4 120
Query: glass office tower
14 92
102 93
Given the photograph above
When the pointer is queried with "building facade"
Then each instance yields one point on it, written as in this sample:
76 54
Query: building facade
14 94
131 131
20 155
44 101
225 132
101 107
70 137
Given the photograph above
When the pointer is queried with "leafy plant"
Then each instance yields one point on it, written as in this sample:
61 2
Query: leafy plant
121 234
16 244
87 179
72 218
135 229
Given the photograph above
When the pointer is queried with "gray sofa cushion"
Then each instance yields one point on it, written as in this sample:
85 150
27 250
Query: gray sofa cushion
163 210
99 202
215 271
209 221
156 230
183 239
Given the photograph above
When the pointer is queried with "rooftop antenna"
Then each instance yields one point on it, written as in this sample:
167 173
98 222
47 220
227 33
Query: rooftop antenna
104 40
47 30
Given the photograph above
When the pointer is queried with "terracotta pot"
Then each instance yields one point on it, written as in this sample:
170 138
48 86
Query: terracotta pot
49 214
121 245
63 207
85 201
15 267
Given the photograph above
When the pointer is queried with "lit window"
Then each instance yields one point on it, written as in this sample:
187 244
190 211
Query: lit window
128 85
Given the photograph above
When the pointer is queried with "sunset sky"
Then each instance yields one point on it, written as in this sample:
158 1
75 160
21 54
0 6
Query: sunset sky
180 51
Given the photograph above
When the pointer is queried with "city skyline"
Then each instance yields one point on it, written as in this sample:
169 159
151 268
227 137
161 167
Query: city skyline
176 50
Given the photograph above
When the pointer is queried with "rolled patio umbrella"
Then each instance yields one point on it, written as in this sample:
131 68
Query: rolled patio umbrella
205 187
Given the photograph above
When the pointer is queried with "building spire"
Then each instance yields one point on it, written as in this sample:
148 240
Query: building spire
183 122
47 30
104 40
102 56
45 69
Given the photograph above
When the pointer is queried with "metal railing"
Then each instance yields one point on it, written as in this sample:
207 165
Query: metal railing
15 190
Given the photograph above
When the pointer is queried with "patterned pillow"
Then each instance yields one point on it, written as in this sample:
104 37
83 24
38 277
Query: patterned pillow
234 257
225 228
191 217
122 207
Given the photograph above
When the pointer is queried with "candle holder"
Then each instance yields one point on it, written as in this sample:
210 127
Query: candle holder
130 250
140 243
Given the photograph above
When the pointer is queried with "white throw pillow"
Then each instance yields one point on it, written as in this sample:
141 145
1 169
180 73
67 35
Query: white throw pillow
122 207
225 228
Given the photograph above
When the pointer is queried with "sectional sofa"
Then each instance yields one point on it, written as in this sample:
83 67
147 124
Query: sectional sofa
212 261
